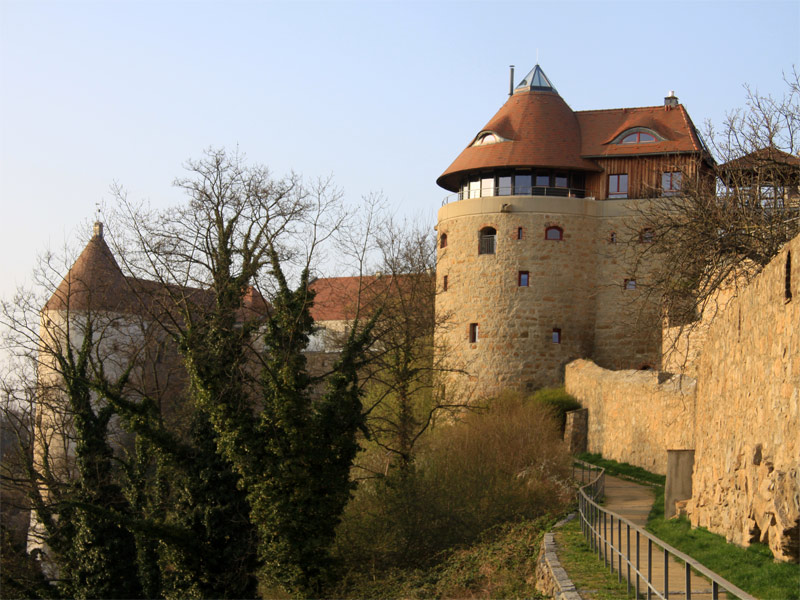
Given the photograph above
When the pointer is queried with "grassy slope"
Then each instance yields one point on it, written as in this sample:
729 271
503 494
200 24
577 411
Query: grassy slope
753 569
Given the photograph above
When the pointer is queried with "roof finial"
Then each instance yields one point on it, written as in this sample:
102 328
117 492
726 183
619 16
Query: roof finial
537 56
98 225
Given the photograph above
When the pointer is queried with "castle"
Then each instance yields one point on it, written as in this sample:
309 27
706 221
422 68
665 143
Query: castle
535 265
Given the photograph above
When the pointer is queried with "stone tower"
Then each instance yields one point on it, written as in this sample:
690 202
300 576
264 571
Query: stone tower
531 272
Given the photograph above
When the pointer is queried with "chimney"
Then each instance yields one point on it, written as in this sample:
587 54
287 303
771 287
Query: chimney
511 81
98 229
671 100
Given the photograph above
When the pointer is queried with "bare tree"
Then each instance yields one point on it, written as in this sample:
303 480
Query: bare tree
726 222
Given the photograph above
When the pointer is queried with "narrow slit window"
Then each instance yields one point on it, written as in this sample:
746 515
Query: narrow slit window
443 241
646 236
519 233
473 333
787 284
522 278
612 237
444 283
556 335
630 284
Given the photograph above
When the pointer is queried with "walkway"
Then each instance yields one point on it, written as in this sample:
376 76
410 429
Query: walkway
633 501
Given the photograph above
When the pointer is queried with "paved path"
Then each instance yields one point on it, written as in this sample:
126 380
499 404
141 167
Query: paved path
633 501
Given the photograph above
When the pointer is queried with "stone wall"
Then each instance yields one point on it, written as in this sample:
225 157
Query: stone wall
746 482
742 417
575 285
633 417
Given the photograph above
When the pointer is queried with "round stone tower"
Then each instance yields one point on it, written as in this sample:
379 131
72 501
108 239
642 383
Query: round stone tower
523 247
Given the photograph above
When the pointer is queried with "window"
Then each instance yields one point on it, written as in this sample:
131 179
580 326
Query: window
504 185
487 186
519 233
486 138
542 179
444 283
630 284
787 280
556 335
671 183
522 278
487 239
618 186
612 237
646 236
561 180
522 184
554 234
443 241
473 333
475 188
638 137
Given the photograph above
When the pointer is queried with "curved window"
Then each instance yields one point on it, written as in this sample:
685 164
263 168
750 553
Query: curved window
554 234
488 237
638 137
485 139
443 241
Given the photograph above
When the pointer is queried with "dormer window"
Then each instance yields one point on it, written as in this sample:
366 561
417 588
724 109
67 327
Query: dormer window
486 138
637 135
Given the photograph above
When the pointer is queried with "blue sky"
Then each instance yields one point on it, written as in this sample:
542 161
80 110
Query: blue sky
382 95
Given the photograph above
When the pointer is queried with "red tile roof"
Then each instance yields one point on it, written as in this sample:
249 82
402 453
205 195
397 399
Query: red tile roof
542 131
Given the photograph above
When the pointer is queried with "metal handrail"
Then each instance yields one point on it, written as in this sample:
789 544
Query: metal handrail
595 521
534 190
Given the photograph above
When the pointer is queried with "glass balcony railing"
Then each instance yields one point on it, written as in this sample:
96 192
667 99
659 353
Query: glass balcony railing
561 192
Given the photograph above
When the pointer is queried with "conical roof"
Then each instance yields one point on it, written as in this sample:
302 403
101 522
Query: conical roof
94 282
534 128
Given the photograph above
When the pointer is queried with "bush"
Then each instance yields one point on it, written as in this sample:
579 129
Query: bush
507 463
559 401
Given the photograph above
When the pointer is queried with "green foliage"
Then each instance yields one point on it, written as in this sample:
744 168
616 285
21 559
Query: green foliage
623 470
501 564
559 401
504 464
581 564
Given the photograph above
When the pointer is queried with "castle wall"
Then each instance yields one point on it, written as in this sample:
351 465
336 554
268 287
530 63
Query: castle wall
742 418
633 417
747 475
573 287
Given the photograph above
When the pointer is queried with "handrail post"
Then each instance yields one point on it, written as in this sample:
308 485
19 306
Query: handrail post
666 575
638 565
688 582
611 543
649 568
619 552
628 555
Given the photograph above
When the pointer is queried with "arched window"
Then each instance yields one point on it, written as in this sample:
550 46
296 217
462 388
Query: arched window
443 241
487 239
554 234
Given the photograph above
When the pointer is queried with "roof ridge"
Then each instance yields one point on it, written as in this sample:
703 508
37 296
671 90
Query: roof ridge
628 108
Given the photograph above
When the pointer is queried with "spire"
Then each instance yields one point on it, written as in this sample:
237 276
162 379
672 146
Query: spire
535 81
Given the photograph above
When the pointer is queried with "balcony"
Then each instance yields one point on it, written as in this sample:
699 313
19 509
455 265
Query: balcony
558 192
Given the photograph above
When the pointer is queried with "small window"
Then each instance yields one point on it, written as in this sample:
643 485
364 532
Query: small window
443 241
488 237
444 283
542 179
519 233
646 236
638 137
486 138
612 237
554 234
522 278
670 183
556 335
618 186
787 283
630 284
473 333
561 180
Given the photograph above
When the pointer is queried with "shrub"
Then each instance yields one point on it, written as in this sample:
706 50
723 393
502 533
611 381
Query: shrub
506 463
559 401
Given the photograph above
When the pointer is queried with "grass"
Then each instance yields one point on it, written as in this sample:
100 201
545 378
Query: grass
753 569
592 581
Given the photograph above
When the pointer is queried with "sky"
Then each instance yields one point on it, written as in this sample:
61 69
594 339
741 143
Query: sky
381 95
